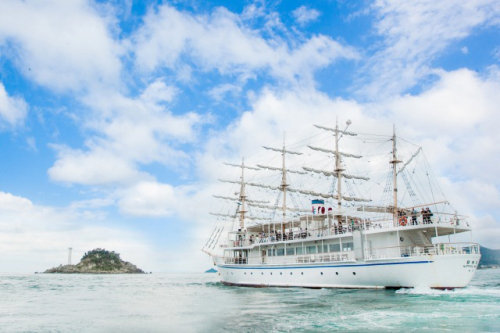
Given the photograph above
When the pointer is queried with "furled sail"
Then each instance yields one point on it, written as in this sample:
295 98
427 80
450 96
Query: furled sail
225 215
251 184
335 130
275 188
325 172
329 151
238 199
282 150
331 173
276 207
409 161
327 195
345 175
240 166
280 169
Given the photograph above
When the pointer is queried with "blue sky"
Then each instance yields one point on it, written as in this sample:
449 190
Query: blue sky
116 116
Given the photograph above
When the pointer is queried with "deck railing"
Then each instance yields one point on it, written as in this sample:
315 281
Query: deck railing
374 254
345 229
295 259
419 251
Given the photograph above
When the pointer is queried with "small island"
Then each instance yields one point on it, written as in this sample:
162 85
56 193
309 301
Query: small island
98 261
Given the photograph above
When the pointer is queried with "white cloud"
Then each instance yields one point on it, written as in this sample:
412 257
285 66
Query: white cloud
415 33
127 134
304 15
464 50
13 110
61 45
221 41
149 199
96 167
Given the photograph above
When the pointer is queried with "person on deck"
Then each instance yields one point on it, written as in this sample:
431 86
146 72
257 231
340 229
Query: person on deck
414 216
424 216
429 215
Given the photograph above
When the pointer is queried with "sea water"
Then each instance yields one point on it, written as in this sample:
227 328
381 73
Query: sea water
198 303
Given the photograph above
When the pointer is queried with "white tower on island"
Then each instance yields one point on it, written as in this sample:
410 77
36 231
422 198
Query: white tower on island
69 255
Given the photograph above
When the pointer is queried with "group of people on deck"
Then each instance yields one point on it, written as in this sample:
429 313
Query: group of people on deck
426 216
278 236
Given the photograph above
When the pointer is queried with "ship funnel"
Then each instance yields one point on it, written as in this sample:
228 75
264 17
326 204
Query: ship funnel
318 206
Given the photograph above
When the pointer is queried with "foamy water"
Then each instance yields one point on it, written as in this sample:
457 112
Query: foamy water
198 303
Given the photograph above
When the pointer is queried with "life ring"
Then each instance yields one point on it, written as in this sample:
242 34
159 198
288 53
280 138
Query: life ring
402 220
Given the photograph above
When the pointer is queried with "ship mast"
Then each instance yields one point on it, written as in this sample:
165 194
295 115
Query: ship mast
242 195
283 183
394 161
338 169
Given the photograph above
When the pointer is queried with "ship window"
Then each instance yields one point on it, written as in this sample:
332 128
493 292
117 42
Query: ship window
468 262
298 250
262 273
245 273
347 246
311 250
280 252
353 273
271 273
291 273
301 273
281 273
334 247
290 251
336 273
321 273
251 273
325 248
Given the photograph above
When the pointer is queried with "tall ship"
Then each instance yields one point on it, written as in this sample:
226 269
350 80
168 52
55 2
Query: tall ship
317 214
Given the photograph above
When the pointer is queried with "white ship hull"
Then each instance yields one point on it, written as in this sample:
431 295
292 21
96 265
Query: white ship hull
441 272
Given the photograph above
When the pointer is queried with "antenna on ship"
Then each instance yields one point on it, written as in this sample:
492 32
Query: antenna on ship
69 255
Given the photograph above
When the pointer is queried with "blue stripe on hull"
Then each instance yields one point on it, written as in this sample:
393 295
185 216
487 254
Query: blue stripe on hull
324 266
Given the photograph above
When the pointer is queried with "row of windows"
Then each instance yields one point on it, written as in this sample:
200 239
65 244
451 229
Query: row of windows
281 273
290 251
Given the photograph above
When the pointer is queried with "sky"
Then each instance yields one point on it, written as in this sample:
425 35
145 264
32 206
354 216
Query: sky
116 116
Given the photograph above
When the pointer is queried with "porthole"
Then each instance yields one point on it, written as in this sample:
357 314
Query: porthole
271 273
281 273
291 273
262 273
336 273
353 273
321 273
468 262
401 238
245 273
251 273
301 273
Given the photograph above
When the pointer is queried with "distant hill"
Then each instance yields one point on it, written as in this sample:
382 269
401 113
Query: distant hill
98 261
211 270
489 258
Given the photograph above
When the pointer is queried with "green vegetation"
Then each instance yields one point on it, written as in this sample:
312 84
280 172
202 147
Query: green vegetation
489 258
102 259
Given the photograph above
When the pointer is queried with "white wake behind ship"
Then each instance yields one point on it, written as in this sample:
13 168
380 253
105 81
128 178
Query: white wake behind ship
319 225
